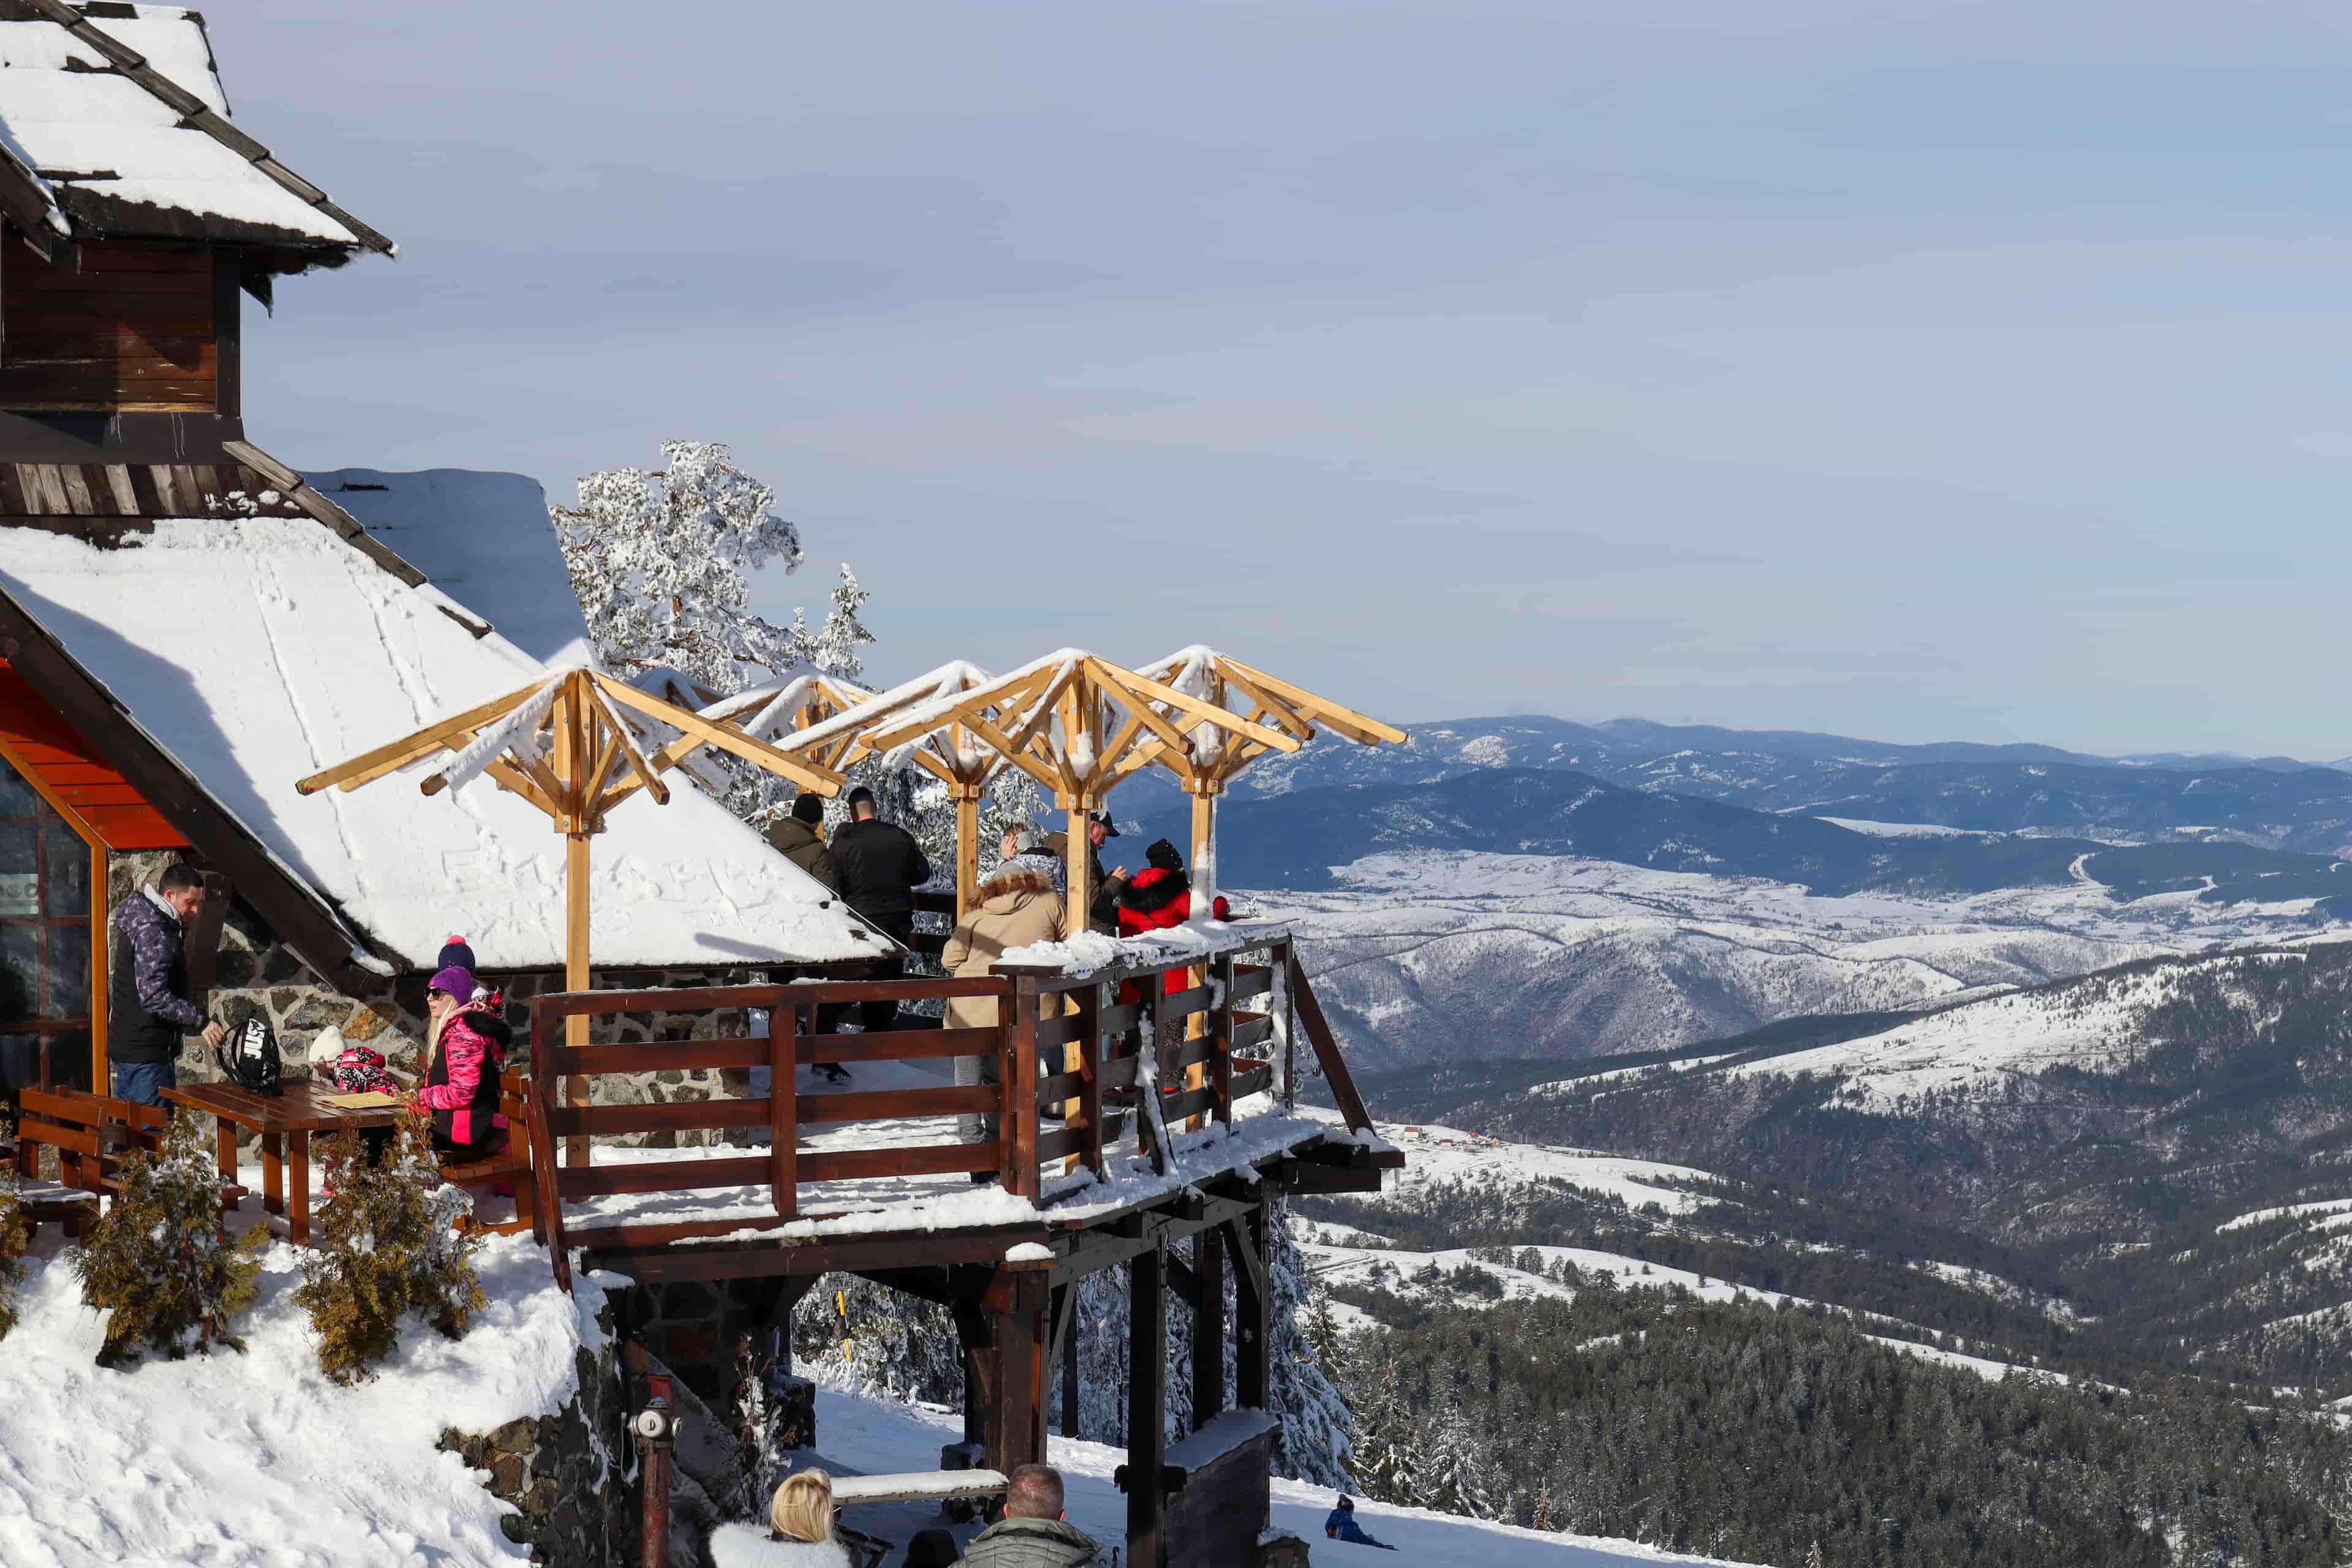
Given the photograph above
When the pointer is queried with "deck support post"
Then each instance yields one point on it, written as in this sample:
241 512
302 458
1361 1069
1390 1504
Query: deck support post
972 1338
1209 1328
1146 1404
1245 1237
1015 1377
1066 1316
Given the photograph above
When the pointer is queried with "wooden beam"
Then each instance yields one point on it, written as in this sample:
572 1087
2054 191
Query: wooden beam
1278 712
1207 712
1347 720
369 766
784 765
1209 1328
1252 1324
1140 708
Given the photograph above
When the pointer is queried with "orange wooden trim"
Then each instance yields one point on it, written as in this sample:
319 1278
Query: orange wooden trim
42 787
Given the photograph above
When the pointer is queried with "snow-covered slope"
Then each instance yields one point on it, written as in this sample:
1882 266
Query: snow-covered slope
229 1460
1431 956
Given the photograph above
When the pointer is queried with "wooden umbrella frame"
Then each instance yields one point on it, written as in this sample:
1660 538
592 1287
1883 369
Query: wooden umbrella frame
566 744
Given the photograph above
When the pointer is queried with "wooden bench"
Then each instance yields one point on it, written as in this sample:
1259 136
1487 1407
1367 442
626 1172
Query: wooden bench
93 1135
510 1161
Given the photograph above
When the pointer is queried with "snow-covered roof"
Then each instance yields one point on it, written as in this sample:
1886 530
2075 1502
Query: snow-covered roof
256 651
482 538
116 116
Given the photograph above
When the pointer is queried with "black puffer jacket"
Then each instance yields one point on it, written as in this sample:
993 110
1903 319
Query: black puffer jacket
880 866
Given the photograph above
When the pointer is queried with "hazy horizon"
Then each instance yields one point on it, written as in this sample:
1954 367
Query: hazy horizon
1892 368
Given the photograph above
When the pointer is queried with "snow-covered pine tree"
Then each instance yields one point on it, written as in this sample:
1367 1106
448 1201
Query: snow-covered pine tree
1312 1441
157 1260
15 1235
387 1245
662 563
1541 1518
753 1419
1388 1458
1813 1557
1456 1482
867 1339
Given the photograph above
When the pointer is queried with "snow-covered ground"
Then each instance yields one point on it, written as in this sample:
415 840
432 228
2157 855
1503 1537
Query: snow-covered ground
225 1460
1434 954
1438 1156
258 1461
870 1436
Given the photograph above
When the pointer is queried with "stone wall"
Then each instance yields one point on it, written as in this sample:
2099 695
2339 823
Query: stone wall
572 1476
254 965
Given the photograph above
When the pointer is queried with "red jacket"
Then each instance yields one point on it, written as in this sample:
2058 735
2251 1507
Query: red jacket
1157 900
462 1087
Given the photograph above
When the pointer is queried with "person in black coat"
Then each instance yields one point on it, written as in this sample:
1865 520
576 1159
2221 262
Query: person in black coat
880 866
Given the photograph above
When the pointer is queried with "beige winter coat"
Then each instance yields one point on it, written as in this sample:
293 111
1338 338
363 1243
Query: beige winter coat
1016 907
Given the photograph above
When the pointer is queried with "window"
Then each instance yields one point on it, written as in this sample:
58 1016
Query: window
45 933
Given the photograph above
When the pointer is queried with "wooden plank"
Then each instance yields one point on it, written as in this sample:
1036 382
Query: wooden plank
1191 999
1188 1102
897 1045
1258 1079
921 1160
1059 1030
450 733
1253 1032
1119 1020
1251 980
1065 1142
784 1127
667 1176
890 1104
662 1234
690 1055
581 1120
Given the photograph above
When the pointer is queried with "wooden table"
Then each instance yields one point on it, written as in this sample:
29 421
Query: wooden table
285 1122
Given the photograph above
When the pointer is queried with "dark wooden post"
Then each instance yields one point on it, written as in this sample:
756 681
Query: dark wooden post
1016 1122
1245 1238
1221 1038
1146 1403
1016 1376
784 1109
1163 1052
1209 1329
547 1194
1070 1389
1280 959
972 1338
1090 1041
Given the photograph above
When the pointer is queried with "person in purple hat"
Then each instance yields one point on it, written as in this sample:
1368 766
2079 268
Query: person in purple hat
470 1042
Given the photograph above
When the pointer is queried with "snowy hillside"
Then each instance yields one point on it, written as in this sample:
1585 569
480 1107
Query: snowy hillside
240 1461
1433 955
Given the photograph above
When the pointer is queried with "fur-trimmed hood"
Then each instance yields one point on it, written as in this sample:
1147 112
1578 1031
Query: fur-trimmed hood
1020 874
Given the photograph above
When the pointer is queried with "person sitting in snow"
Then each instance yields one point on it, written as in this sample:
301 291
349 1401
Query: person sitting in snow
1342 1526
799 1533
1036 1532
468 1041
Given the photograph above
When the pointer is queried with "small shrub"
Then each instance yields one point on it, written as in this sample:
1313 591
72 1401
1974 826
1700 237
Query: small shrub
14 1234
387 1245
158 1259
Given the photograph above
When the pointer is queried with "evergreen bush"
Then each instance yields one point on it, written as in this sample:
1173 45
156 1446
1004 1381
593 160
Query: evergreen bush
387 1244
158 1259
14 1236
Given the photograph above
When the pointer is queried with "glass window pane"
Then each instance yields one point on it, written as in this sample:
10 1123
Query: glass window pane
16 797
68 968
20 953
68 860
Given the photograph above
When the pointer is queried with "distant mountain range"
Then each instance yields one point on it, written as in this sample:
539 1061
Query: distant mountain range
1297 840
1289 815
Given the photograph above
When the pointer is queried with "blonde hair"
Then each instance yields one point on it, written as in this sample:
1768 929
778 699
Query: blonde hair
802 1507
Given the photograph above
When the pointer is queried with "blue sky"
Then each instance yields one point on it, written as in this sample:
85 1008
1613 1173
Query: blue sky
1920 370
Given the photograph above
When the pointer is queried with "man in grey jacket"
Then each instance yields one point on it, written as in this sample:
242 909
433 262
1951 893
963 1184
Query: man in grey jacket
1032 1534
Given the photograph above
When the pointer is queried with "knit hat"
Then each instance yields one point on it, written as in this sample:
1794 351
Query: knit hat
456 952
1164 855
456 981
809 808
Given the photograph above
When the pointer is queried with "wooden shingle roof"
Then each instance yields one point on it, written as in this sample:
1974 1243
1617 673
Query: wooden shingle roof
113 124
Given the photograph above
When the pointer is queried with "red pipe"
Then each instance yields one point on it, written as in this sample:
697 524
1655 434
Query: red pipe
657 1433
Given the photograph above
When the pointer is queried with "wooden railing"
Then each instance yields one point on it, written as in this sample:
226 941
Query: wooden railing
1091 1025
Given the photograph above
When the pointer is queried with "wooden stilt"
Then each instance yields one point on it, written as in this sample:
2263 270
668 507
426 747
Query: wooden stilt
1209 1329
1244 1239
1204 839
1146 1434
